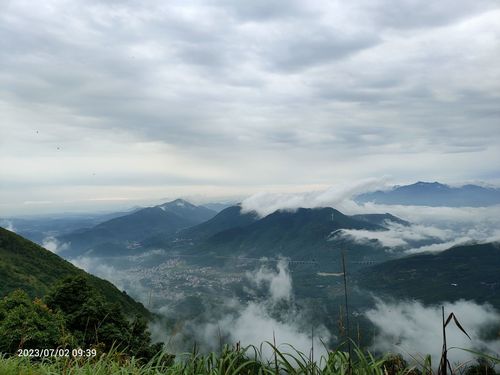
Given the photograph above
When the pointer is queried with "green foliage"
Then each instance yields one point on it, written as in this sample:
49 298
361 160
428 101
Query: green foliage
231 361
27 324
75 316
92 321
395 364
482 367
27 266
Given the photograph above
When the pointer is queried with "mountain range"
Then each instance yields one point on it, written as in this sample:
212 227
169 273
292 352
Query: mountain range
128 231
304 235
434 194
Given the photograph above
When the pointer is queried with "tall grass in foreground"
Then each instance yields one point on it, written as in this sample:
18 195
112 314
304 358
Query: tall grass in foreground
230 361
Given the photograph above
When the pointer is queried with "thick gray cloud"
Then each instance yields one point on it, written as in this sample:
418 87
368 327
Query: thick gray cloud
108 101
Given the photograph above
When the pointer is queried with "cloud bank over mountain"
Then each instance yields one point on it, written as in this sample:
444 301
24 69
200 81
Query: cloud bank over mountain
265 203
440 227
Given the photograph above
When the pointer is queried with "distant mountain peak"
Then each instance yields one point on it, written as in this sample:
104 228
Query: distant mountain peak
178 204
115 234
181 202
434 194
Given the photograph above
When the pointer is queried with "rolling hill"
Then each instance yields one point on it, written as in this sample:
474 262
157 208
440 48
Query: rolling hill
25 265
434 194
468 272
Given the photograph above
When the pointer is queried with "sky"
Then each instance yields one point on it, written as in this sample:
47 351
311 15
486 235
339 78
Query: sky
115 103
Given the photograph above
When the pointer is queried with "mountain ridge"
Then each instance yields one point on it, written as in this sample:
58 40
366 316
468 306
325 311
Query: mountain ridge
434 194
306 234
126 232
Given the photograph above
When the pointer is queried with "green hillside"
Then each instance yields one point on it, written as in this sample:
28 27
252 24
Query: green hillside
462 272
25 265
302 235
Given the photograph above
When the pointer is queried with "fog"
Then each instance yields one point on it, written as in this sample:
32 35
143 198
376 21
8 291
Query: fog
415 330
7 224
269 313
272 317
399 235
53 244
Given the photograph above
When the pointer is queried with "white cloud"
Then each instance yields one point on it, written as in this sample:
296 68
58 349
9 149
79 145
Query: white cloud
415 330
279 284
399 235
437 247
448 225
54 245
253 323
265 203
7 224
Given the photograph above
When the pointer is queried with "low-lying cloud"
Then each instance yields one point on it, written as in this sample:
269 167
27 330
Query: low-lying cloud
254 325
436 228
119 277
7 224
266 203
256 322
398 235
268 314
53 244
415 330
278 283
449 226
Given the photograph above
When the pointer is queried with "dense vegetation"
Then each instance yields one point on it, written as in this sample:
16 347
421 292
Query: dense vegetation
302 235
27 266
72 315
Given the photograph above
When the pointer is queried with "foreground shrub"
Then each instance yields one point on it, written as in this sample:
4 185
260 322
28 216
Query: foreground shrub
27 324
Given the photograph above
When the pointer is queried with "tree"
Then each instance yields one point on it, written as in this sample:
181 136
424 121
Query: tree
93 321
27 324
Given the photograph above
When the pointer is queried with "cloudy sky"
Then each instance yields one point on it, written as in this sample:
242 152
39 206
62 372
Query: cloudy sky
121 102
